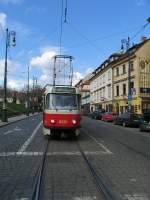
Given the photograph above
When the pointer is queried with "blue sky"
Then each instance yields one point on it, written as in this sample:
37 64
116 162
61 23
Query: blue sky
93 32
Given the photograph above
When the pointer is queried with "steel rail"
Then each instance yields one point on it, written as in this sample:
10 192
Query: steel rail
37 186
102 184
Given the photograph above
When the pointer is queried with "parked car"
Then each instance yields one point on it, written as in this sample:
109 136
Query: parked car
145 122
127 119
108 117
97 114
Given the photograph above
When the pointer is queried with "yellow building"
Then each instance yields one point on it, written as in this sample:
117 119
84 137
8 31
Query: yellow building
139 58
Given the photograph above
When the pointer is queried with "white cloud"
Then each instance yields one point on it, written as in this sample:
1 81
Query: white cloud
11 1
16 84
43 60
45 63
12 68
3 18
77 76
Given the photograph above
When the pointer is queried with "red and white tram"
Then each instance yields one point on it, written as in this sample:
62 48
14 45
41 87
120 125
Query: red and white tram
62 112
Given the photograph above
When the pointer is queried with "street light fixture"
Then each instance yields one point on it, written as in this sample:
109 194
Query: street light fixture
127 43
10 41
148 20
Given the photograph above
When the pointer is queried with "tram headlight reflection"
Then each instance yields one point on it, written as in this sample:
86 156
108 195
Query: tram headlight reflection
74 121
52 121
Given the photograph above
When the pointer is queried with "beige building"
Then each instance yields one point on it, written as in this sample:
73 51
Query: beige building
84 87
139 58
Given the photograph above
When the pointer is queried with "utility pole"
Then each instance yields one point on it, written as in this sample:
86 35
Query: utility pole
9 36
127 43
129 78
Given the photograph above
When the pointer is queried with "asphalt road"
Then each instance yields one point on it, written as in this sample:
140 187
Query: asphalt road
120 155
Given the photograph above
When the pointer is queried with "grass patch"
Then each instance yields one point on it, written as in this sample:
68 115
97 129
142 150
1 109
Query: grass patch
13 109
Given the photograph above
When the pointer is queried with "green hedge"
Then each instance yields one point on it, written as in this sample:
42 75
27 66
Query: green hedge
14 109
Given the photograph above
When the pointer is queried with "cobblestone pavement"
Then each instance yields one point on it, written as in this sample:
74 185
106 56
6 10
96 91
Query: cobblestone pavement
127 168
17 167
120 155
66 176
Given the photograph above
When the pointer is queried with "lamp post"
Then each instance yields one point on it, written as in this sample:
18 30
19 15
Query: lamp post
127 43
10 41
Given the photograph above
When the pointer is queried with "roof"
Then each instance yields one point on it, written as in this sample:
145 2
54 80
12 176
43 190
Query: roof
116 57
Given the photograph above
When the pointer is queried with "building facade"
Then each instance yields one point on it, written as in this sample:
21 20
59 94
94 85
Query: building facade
84 87
138 57
101 84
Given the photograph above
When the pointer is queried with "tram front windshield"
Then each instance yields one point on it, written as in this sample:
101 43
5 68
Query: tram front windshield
62 102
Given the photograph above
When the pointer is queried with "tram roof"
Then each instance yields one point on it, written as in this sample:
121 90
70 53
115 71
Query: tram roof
61 89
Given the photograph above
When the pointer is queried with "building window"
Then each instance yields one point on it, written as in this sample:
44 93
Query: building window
117 90
124 89
109 75
103 79
132 85
131 66
117 71
124 69
109 91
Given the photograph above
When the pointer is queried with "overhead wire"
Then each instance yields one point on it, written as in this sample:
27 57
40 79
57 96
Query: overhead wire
101 38
139 31
83 36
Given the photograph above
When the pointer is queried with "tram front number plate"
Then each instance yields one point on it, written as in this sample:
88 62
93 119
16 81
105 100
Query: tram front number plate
63 121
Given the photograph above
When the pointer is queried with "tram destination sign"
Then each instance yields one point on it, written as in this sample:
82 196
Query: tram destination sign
64 90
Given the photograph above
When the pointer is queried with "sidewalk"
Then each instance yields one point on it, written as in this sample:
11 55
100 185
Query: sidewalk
15 119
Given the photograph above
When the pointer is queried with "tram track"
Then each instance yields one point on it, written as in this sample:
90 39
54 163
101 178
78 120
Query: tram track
133 149
103 187
37 185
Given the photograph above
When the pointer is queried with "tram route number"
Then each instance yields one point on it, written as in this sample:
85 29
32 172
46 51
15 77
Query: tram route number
63 121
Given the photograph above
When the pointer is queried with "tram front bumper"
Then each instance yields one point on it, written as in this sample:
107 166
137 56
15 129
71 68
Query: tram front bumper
48 130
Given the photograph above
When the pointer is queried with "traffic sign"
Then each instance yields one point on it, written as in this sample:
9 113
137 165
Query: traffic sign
129 98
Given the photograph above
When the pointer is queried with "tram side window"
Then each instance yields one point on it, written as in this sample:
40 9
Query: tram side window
79 100
47 101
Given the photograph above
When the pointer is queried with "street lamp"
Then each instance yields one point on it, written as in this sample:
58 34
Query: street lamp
127 43
10 41
148 20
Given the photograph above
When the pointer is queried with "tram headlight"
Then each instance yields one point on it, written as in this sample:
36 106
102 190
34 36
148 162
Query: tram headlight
52 121
74 121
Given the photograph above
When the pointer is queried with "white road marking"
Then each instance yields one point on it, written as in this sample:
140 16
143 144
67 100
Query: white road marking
132 180
11 131
17 129
85 198
7 132
28 141
136 197
55 153
100 144
65 153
